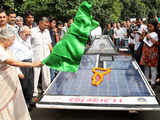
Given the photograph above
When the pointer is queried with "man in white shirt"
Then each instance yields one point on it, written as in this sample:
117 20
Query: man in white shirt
119 35
21 50
3 21
5 25
12 21
41 46
142 28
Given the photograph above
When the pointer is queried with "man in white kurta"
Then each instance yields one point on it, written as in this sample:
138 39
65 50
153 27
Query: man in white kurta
21 50
41 47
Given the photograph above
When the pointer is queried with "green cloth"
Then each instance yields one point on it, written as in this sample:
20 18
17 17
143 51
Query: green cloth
66 54
159 20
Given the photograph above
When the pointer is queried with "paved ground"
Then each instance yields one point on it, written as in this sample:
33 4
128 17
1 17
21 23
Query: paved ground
92 115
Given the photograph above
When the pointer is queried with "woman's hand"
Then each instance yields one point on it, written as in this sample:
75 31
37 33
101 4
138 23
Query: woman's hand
21 76
153 41
55 30
148 36
37 64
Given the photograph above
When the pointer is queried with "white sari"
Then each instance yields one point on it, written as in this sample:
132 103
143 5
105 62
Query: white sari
12 103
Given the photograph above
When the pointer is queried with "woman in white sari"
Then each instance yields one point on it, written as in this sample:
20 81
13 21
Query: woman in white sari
12 103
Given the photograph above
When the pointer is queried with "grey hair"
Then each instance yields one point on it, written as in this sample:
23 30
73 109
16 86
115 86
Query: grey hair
44 19
23 28
6 33
19 18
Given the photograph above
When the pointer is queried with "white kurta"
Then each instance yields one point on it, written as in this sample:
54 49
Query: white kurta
119 33
12 103
40 46
21 49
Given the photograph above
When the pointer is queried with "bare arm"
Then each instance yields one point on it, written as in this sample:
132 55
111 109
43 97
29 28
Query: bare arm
50 47
142 36
152 39
13 62
57 37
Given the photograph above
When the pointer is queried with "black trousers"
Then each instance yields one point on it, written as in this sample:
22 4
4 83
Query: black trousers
138 55
158 68
131 49
27 83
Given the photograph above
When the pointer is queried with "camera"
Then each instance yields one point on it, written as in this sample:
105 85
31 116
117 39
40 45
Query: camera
134 28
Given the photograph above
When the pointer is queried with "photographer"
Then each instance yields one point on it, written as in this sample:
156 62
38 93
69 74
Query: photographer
138 29
131 32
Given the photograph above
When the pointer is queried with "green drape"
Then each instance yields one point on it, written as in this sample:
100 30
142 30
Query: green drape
67 53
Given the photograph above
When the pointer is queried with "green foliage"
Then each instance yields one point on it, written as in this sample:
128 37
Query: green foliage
61 9
134 8
105 11
8 4
66 8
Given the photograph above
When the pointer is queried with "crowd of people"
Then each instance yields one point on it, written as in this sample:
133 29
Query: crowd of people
142 38
24 44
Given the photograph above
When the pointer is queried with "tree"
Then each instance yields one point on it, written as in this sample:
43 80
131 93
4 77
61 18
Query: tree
7 4
153 6
134 8
61 9
105 11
